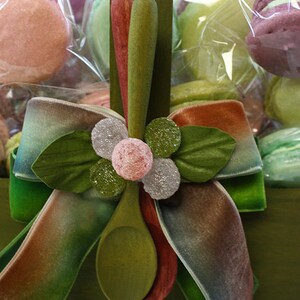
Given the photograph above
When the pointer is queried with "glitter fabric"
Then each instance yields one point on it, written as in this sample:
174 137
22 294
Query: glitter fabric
163 180
132 159
106 135
105 179
163 137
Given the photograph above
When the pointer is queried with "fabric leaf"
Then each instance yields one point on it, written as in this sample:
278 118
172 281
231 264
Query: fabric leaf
65 164
204 151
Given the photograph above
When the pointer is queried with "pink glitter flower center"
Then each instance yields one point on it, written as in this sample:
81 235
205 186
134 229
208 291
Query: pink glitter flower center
132 159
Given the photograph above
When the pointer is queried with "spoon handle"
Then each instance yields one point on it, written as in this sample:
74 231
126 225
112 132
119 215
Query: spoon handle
129 203
141 52
120 22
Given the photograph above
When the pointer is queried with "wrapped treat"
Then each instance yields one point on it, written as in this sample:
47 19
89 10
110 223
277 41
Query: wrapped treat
48 48
282 101
34 40
213 50
273 40
280 152
97 32
96 95
212 34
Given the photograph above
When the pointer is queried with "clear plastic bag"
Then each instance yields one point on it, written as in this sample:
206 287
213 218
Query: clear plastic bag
13 103
49 48
273 42
34 39
273 39
213 48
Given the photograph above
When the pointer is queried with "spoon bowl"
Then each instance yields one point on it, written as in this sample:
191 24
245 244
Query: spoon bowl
126 254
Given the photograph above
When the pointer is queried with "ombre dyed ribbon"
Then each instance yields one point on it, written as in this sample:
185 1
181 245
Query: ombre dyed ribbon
200 222
212 249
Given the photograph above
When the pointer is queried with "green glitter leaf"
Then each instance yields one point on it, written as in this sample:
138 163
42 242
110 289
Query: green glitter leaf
203 152
65 164
105 180
163 137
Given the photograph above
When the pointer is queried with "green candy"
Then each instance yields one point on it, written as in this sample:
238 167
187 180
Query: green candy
201 90
163 137
105 180
98 35
280 152
213 34
282 101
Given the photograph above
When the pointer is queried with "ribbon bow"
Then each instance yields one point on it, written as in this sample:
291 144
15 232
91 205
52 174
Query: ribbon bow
140 239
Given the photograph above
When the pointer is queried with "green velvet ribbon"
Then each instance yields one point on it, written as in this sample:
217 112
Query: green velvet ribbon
26 198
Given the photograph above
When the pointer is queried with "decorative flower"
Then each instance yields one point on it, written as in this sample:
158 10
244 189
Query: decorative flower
132 159
171 155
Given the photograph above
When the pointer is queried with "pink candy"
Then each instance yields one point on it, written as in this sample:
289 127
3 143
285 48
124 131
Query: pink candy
132 159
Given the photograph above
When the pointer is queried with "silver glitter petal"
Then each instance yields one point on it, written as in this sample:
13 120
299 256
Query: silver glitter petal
163 180
106 135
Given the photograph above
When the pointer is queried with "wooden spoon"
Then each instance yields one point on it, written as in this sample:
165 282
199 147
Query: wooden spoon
120 20
126 257
166 257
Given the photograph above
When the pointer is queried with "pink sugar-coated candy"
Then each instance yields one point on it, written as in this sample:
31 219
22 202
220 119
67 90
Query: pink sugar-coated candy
132 159
33 41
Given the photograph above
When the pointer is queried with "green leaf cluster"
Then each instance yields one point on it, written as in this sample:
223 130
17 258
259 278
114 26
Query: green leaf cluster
66 163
